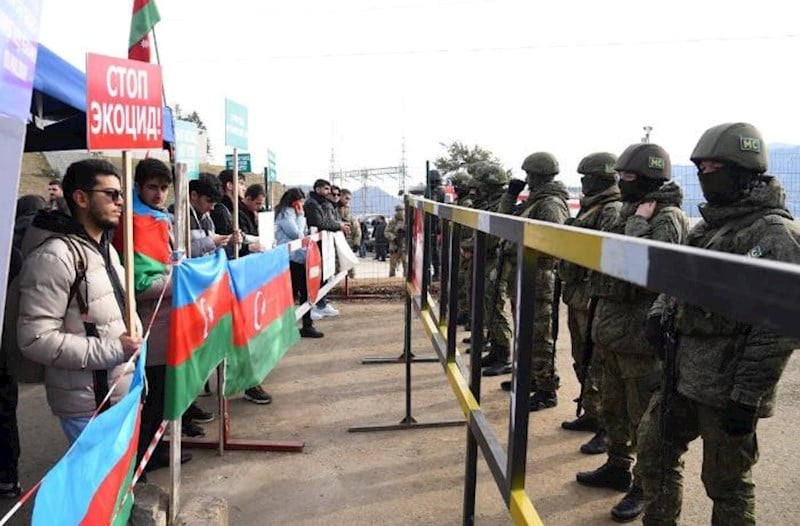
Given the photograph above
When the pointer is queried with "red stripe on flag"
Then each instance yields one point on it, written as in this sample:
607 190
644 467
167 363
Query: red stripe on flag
101 507
138 4
192 323
151 237
260 308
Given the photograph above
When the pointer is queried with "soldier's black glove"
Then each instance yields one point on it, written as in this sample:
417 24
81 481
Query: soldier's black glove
515 186
654 333
740 419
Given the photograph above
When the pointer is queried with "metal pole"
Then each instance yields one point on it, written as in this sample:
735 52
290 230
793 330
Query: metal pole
452 290
408 419
426 243
267 188
476 342
182 237
521 371
444 280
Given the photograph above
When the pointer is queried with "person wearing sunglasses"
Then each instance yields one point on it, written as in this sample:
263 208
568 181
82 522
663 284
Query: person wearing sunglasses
72 298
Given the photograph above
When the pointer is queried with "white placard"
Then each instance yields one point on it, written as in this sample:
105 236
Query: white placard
328 255
266 229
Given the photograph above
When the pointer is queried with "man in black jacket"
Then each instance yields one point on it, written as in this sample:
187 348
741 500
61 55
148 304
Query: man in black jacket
321 213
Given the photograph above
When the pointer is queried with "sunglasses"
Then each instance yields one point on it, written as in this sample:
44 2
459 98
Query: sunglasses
114 195
336 194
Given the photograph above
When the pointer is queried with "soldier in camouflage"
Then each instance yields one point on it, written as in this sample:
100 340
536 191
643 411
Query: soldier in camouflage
396 234
490 179
727 371
600 206
354 237
631 369
462 181
547 201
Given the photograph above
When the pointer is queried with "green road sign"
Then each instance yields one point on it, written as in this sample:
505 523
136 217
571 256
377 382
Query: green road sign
272 172
244 162
235 124
186 147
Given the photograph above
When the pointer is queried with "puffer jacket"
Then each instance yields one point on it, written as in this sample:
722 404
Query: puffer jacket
622 307
50 330
720 359
289 225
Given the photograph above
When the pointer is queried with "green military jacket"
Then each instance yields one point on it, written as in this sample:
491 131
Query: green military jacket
395 233
622 307
718 358
490 203
598 212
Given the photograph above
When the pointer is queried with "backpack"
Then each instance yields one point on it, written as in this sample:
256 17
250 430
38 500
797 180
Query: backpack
23 369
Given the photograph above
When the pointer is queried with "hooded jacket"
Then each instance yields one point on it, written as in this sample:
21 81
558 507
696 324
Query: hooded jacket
50 328
622 307
718 358
321 213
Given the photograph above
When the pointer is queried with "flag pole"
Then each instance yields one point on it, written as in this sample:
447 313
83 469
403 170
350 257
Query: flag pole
127 242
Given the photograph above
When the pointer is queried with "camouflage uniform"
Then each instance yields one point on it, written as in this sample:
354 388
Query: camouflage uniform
395 233
631 369
465 268
546 202
724 369
598 212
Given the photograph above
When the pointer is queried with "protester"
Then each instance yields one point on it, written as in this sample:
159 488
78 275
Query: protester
204 194
72 300
249 207
290 224
55 194
27 208
152 179
321 213
379 235
222 213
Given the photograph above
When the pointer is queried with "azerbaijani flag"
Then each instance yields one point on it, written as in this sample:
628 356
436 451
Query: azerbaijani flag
200 328
89 485
151 244
264 324
145 15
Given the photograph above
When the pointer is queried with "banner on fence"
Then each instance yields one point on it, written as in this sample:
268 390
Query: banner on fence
417 250
328 255
200 328
313 270
264 325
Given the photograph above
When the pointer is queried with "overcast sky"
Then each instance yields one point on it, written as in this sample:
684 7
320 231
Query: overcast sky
569 77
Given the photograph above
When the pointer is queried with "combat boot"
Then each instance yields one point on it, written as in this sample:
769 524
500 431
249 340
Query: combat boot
596 445
543 400
582 423
631 505
614 474
496 362
505 385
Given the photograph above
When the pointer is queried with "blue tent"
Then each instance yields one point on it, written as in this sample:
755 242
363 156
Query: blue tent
58 107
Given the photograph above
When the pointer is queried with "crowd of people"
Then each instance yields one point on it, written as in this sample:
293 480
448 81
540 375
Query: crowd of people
656 373
66 306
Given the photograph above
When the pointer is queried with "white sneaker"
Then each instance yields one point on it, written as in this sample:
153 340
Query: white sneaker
329 311
316 315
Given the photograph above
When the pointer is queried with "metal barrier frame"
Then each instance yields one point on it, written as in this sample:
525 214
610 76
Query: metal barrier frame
764 293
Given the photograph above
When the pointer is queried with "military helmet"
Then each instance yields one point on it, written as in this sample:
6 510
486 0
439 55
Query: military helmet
646 159
599 163
435 177
540 163
491 174
399 208
736 143
459 178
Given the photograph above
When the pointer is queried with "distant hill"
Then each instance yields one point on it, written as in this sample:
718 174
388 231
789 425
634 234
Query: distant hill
784 163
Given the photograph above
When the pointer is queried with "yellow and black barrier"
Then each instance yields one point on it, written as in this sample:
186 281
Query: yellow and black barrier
753 291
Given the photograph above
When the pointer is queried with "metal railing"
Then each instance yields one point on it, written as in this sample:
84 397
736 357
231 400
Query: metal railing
764 293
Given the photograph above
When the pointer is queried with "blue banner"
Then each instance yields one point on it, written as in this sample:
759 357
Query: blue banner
19 33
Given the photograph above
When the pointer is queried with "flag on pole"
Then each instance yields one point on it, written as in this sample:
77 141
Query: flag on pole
200 328
264 324
145 16
89 485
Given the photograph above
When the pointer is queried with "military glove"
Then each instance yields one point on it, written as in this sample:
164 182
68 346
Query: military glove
515 186
740 419
654 334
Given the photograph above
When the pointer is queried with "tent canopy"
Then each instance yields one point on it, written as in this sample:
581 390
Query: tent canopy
58 107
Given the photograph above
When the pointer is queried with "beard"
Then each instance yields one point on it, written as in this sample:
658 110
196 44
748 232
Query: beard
104 221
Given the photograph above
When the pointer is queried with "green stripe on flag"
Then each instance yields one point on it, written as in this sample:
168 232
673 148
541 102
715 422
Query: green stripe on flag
122 508
142 22
248 365
146 270
186 381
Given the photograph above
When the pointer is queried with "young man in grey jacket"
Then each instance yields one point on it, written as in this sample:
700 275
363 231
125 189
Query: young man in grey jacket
72 298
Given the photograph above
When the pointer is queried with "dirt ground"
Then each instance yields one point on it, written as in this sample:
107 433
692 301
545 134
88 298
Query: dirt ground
407 477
